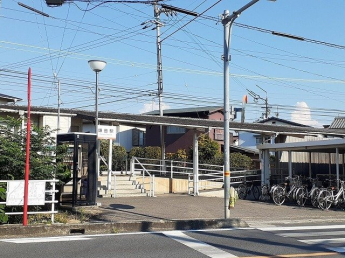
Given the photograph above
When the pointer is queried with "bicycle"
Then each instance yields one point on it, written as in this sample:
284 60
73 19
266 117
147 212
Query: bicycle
280 194
327 198
244 190
302 193
265 193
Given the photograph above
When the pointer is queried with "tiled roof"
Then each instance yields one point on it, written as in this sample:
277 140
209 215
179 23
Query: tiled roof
186 110
8 97
338 123
282 121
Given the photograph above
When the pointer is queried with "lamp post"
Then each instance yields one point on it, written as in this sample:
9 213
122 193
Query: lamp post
227 21
97 66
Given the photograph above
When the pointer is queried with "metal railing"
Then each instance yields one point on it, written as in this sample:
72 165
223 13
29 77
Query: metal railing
208 177
144 172
49 198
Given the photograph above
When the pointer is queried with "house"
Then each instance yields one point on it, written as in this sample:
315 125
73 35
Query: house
250 140
6 99
72 120
182 138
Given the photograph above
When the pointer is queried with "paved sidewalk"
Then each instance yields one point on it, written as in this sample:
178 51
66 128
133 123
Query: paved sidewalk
185 207
175 211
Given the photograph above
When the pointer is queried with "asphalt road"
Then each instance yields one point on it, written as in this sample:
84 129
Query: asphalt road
299 241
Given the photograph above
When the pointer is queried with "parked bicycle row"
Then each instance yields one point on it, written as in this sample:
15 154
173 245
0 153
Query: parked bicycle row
300 190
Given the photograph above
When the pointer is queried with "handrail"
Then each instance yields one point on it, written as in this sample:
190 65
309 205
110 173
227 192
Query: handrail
144 170
208 173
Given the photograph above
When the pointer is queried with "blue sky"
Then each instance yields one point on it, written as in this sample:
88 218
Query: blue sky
304 80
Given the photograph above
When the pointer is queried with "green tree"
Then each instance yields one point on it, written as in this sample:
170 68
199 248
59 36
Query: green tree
238 160
208 148
137 152
119 155
13 152
3 216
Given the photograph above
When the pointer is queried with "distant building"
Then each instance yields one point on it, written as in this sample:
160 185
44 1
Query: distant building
182 138
6 99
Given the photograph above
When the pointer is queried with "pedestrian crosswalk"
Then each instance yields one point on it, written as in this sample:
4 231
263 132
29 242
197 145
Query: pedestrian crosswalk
331 237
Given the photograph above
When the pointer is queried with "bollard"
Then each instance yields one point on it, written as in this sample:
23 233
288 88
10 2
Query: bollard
232 199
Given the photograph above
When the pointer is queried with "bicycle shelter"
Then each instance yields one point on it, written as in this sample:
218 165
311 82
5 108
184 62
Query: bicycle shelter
331 146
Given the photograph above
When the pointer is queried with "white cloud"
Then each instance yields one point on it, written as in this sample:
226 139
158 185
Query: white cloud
148 107
302 115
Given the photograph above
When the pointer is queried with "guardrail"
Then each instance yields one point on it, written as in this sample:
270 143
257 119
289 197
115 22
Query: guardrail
15 195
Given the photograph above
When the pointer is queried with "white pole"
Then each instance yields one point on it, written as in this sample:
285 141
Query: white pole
337 164
110 164
195 165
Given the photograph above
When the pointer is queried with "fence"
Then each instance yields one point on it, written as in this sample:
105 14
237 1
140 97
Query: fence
208 177
41 192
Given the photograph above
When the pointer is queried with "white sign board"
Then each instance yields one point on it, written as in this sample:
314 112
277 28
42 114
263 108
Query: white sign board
106 132
15 193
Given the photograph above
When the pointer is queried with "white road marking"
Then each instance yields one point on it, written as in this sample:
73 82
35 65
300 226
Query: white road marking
197 245
337 249
300 228
319 233
324 241
45 239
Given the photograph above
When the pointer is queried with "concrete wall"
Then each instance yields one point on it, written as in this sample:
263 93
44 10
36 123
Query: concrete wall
172 185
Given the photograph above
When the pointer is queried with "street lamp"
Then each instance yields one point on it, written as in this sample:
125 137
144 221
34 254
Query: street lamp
227 21
97 66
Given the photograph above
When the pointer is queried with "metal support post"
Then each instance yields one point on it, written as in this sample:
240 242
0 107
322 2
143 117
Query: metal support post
290 163
96 128
59 105
195 165
337 164
110 165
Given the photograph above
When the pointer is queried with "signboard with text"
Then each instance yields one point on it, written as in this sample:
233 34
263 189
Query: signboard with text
106 132
15 193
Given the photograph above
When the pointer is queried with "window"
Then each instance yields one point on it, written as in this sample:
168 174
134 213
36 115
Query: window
219 135
138 137
175 130
259 140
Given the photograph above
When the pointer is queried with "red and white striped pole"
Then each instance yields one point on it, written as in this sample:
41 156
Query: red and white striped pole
27 163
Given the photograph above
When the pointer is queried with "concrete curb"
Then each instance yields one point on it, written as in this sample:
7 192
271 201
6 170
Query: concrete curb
16 231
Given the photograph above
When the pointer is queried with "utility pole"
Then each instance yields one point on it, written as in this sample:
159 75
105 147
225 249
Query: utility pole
256 99
267 108
59 105
159 74
59 102
227 21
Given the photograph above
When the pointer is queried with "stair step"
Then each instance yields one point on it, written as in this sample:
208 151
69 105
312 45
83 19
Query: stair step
130 190
132 195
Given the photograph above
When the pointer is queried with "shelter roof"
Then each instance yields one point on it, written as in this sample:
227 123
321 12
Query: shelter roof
191 123
322 146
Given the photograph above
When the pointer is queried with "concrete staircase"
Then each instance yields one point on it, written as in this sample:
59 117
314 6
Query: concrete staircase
126 186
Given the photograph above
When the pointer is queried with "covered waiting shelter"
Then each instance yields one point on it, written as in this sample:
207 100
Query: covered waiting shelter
335 146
